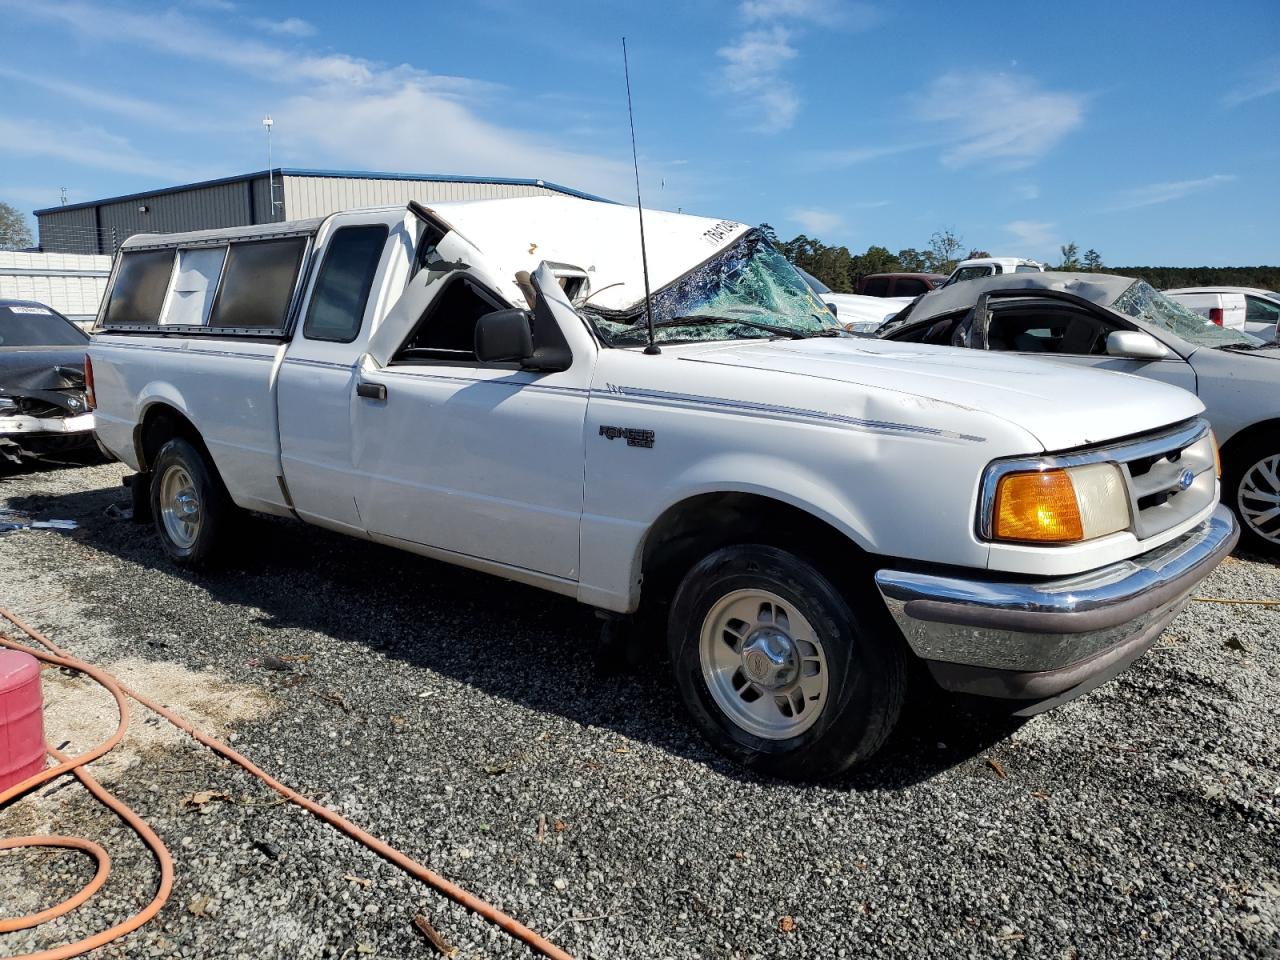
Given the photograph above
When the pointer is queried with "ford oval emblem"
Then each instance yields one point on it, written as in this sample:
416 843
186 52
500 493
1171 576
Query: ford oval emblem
1185 479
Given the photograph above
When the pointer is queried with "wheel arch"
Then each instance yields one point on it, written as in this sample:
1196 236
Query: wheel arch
698 524
159 423
1244 438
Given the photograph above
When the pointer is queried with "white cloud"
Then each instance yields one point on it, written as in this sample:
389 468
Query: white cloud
754 68
1262 81
405 125
1033 238
1153 193
289 27
1027 191
753 72
827 12
816 221
84 145
122 105
998 118
851 156
333 108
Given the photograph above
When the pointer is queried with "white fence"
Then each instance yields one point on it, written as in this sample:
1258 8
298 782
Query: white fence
71 283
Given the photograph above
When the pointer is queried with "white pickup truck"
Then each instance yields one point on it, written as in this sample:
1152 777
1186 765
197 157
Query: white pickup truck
804 513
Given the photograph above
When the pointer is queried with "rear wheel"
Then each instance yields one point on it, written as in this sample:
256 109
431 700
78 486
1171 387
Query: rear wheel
190 506
1251 486
778 669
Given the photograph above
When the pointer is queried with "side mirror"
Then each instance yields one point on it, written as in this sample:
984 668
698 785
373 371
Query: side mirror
1135 345
504 336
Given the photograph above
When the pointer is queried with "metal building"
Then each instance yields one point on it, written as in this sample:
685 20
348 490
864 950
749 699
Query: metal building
100 226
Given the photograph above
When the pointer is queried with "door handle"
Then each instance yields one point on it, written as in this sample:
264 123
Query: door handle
372 391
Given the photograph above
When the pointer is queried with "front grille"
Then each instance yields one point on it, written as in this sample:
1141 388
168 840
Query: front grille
1170 476
32 407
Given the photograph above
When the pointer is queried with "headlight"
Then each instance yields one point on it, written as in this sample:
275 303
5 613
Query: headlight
1057 505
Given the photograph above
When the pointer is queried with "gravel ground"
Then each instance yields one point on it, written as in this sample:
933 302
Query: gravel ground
451 714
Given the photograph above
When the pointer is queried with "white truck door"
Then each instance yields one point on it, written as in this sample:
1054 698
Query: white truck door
475 460
318 378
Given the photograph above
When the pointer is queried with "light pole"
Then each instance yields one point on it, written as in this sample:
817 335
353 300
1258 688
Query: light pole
267 123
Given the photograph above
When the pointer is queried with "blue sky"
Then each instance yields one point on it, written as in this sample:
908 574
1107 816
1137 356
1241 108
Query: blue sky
1150 131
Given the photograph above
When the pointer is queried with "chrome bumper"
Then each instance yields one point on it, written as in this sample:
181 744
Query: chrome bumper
26 426
1048 641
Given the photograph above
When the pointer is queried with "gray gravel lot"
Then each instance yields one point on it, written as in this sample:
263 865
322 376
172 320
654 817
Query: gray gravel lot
448 712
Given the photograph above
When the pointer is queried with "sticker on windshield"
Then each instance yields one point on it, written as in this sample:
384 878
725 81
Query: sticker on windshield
31 311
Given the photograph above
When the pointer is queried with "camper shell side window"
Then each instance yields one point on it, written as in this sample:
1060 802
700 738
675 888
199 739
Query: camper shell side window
246 287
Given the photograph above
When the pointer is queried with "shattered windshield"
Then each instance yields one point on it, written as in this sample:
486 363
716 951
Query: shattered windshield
747 290
1143 302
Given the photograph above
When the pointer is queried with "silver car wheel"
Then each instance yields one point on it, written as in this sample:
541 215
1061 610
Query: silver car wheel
763 664
1258 498
180 507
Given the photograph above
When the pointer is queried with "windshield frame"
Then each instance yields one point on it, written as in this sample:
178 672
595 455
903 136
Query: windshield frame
633 316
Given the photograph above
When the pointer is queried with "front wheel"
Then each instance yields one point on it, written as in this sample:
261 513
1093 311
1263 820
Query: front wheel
1251 486
191 508
779 671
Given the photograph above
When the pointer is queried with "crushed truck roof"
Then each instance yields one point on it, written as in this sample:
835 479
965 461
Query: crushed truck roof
601 238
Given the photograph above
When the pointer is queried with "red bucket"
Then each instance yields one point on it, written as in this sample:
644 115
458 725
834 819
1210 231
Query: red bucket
22 751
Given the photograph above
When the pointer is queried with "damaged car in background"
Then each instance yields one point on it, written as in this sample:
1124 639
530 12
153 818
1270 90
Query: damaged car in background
43 408
1118 323
799 514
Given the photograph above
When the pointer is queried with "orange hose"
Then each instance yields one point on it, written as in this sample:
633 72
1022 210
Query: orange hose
89 889
74 765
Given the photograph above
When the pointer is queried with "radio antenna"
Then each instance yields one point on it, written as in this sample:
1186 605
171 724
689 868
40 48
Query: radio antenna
652 348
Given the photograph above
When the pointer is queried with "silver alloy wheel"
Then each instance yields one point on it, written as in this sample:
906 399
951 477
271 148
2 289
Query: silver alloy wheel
1259 498
180 507
763 663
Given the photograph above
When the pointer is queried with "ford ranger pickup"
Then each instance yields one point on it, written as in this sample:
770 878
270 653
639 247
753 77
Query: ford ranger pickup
802 513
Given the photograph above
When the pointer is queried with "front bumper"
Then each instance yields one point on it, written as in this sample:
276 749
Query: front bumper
24 437
24 426
1046 642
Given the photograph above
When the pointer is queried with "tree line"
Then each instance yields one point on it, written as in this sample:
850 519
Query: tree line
840 269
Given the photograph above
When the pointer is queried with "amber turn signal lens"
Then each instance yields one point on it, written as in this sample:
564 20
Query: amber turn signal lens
1037 507
1217 454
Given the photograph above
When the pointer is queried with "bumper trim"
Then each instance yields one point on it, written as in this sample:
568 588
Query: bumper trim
1055 625
1043 690
24 426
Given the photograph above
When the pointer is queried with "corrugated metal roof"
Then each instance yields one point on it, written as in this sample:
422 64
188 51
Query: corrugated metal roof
298 172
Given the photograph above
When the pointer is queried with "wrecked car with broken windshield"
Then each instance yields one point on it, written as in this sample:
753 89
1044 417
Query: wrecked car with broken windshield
43 409
1120 324
795 513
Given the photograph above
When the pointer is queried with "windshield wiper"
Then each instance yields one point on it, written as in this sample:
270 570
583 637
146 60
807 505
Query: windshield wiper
1247 346
695 319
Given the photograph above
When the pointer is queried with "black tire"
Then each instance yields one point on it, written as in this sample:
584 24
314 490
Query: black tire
1236 470
865 656
216 509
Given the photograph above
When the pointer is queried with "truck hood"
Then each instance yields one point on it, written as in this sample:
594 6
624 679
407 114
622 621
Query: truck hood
1061 406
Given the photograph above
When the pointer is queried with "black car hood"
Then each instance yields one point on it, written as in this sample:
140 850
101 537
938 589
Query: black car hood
54 375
